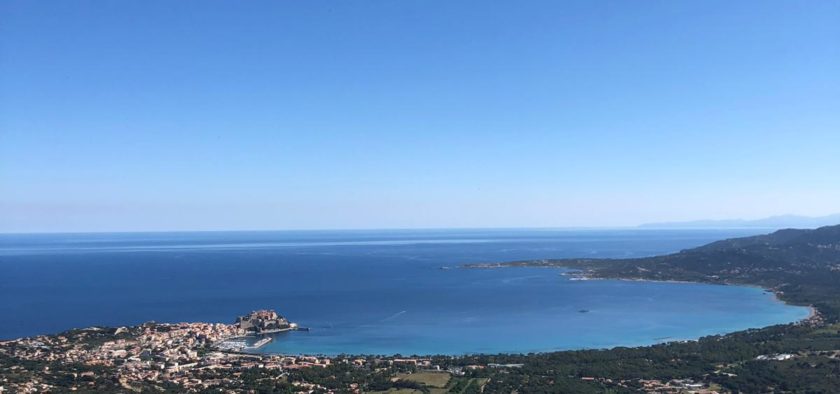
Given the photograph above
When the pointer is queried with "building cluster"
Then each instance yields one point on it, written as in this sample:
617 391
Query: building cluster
775 357
677 386
673 386
183 354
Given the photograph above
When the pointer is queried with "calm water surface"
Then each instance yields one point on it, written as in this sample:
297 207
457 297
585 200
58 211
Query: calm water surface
379 292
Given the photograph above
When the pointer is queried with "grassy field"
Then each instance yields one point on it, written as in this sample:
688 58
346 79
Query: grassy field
831 329
436 382
430 379
459 385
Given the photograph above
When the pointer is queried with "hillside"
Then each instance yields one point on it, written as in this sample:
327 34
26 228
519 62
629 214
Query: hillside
802 266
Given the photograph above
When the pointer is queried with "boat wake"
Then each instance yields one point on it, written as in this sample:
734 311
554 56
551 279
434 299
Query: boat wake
394 316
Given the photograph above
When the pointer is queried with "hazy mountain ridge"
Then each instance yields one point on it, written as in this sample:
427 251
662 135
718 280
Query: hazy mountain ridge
773 222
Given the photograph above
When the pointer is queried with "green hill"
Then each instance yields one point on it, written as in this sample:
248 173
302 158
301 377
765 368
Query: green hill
802 266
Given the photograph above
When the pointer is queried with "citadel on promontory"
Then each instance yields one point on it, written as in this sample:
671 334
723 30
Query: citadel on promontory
264 322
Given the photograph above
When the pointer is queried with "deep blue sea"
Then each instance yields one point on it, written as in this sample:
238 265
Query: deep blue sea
373 292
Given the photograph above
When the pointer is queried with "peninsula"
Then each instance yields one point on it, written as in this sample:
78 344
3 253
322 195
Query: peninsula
264 322
801 266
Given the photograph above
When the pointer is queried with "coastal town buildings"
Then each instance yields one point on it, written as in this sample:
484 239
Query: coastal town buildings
181 354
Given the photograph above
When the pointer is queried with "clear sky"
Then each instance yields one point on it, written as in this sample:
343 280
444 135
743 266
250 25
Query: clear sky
214 115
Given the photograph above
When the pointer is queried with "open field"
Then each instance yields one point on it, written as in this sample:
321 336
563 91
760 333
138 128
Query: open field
430 379
437 383
397 391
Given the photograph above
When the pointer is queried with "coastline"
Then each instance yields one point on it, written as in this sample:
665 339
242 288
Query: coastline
586 276
813 312
572 274
579 274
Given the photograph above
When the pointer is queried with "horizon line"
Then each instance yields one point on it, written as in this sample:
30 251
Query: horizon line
640 227
695 224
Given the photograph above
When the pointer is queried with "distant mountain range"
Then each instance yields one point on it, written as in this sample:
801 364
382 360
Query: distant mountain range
773 222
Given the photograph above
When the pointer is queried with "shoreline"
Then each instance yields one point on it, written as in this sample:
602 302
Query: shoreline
572 274
577 274
813 312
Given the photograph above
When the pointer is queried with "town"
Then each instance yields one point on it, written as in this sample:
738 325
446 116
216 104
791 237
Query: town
150 353
184 357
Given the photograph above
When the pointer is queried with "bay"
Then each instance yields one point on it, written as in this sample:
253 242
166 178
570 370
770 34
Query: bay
374 292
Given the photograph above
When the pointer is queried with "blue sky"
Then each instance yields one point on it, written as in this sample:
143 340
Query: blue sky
214 115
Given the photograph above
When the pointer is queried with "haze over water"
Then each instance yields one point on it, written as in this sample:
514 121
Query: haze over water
376 292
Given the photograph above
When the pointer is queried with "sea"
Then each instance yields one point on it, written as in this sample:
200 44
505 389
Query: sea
374 292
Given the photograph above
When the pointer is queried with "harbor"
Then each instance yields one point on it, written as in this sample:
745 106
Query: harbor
262 324
262 342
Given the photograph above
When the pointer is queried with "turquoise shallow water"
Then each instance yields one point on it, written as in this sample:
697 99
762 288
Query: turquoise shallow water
520 310
373 292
